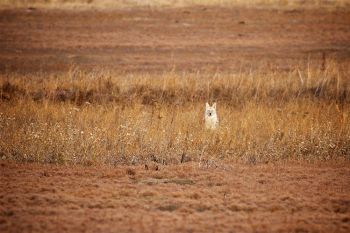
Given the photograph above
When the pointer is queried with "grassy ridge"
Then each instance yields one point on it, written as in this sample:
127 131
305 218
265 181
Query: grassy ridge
330 84
104 118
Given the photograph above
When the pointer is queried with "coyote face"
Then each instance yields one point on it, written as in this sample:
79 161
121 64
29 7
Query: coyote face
211 118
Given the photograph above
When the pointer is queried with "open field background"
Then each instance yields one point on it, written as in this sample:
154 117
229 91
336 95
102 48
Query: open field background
102 116
208 39
103 4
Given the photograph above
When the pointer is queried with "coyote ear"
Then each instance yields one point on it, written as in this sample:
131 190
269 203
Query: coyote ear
214 105
207 105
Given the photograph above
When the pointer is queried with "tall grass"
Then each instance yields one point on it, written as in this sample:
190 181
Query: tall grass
106 118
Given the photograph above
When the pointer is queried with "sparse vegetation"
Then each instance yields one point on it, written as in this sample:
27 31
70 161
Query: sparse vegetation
105 118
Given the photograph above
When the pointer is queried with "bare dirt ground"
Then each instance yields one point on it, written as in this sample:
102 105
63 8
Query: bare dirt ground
181 198
156 40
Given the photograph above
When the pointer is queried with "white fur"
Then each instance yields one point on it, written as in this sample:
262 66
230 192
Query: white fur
211 118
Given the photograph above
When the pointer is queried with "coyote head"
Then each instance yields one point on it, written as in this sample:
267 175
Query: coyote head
211 118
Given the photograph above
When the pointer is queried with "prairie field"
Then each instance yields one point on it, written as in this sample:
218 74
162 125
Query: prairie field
102 125
100 118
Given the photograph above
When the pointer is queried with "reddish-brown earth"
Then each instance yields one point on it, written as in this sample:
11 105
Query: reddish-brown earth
180 198
156 40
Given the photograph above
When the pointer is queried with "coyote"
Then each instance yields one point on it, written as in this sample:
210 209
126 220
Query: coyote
211 118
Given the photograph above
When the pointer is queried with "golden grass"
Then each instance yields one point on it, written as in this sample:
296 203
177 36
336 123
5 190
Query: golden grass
106 118
78 4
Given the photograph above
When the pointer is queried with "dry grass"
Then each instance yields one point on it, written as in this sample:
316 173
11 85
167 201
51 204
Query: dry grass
105 118
174 3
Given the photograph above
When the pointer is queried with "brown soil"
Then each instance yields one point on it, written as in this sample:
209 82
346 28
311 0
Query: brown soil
181 198
151 40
